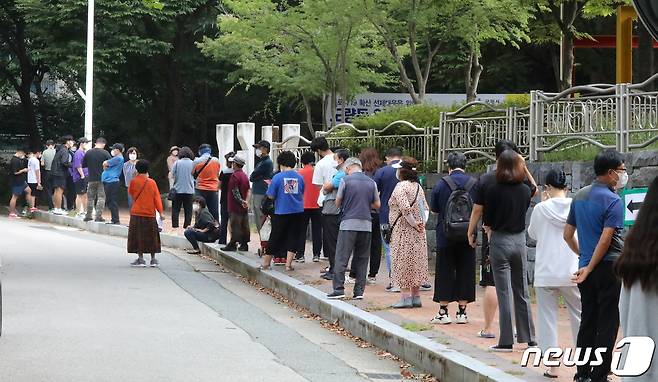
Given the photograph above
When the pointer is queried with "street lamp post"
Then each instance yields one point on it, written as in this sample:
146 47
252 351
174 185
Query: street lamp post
89 86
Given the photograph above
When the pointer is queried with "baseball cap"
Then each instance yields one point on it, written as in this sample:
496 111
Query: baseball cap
239 160
263 143
83 140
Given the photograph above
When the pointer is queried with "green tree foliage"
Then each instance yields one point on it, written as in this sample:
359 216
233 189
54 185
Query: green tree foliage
315 50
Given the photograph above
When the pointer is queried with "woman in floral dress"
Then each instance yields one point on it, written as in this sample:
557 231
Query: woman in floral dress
408 240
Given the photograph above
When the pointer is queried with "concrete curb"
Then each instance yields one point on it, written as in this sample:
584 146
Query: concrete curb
432 357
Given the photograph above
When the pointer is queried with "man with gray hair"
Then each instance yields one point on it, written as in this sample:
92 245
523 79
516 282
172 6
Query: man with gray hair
357 196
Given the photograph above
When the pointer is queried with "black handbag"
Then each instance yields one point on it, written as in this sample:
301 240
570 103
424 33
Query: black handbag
171 195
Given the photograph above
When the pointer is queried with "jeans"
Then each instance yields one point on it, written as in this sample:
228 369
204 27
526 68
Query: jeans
194 237
223 227
130 200
330 228
111 193
95 199
387 254
352 242
509 262
313 216
599 320
255 202
212 201
184 200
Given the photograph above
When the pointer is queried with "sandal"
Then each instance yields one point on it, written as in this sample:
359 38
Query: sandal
290 268
263 268
483 334
549 375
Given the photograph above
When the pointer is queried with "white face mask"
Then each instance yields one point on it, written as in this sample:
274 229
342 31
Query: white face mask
196 207
622 180
73 149
259 153
132 156
397 174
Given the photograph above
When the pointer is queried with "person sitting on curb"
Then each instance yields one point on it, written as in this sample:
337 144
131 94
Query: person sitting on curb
205 228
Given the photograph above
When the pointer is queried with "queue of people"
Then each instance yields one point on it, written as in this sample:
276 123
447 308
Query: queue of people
359 207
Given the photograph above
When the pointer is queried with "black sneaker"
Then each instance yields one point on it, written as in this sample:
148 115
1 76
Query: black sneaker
327 276
316 258
583 379
501 348
229 248
86 219
358 296
300 259
99 220
335 295
138 263
244 248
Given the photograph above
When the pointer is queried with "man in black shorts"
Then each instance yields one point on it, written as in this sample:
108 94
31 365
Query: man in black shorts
490 303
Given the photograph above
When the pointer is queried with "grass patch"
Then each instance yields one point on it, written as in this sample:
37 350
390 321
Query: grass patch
415 326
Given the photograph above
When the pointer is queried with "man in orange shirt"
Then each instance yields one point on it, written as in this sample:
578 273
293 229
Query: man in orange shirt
311 210
206 172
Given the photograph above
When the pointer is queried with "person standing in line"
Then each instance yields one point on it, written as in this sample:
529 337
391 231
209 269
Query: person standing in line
46 177
204 229
69 192
238 207
555 263
143 232
329 207
369 157
33 179
259 177
184 186
408 238
287 191
323 172
93 161
490 300
357 196
110 178
80 176
597 214
171 159
60 171
386 180
224 178
637 268
311 210
455 262
206 172
129 170
18 182
505 206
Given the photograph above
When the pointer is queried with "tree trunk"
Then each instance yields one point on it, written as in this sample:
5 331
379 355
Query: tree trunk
645 67
29 117
473 72
309 115
566 81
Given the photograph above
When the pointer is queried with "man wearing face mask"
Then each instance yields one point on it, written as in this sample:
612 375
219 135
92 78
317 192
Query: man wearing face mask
597 214
259 177
110 177
60 171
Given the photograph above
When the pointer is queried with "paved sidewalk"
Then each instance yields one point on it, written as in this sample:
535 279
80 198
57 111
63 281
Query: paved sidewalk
377 301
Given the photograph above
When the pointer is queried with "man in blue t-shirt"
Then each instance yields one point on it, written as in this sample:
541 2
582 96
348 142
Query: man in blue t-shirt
597 215
386 180
110 178
287 191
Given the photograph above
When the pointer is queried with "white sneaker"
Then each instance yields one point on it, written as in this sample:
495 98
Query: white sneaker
349 280
59 211
442 319
461 318
393 289
372 280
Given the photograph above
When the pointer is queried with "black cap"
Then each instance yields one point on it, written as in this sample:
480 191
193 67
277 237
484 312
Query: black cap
263 143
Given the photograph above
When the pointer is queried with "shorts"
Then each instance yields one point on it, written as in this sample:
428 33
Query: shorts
33 188
486 273
19 189
58 181
81 186
285 235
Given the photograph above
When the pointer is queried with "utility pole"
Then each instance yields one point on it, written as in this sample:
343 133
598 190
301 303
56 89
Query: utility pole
89 85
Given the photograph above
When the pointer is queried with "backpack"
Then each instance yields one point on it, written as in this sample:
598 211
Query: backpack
458 211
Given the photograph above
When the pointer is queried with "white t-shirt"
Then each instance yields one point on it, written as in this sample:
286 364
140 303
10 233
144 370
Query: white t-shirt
324 170
33 166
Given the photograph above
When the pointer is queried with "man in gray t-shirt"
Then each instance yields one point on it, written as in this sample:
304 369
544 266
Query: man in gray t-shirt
357 195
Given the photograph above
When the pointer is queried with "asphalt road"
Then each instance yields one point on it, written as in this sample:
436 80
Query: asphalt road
75 311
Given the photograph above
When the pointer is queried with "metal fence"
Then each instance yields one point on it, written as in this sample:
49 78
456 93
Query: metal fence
623 116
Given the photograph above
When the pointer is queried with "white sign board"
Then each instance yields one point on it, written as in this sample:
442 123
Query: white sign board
633 200
371 103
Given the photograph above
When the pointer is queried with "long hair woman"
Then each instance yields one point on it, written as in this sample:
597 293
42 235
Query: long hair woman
371 162
637 268
408 240
505 206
